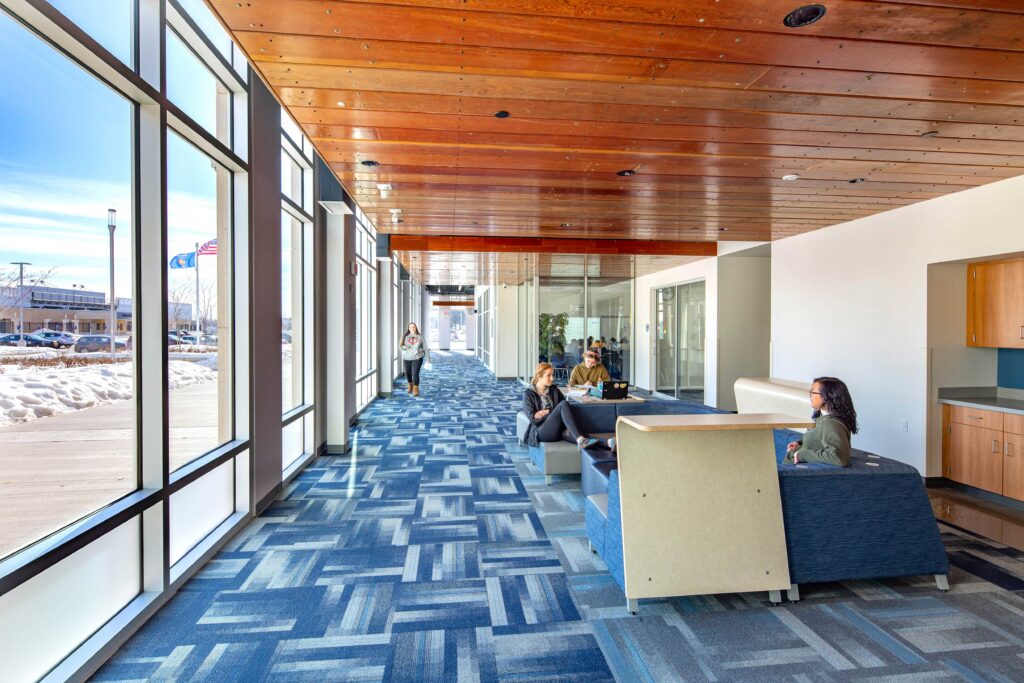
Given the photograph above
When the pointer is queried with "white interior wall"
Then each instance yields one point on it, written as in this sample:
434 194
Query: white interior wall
646 289
852 301
744 321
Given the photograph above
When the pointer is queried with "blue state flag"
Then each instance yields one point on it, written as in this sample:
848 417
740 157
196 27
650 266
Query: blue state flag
187 260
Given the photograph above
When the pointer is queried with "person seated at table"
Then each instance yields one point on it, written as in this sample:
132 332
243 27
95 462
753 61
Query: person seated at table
550 414
835 421
589 372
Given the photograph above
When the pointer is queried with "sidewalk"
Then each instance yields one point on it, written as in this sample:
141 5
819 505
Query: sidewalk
58 469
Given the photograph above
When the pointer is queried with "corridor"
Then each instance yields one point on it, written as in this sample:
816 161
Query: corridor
434 551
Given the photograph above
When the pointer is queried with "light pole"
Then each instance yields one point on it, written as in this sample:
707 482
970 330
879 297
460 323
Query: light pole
112 226
21 300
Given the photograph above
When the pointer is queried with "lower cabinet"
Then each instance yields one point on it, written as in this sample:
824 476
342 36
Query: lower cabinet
1013 466
981 456
976 457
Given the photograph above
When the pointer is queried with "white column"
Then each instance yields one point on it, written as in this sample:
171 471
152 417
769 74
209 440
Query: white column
444 327
385 333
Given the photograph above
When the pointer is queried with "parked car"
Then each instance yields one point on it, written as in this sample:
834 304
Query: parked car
58 339
30 340
188 339
98 342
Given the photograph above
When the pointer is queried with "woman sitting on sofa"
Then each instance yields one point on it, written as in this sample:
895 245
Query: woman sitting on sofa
835 421
549 412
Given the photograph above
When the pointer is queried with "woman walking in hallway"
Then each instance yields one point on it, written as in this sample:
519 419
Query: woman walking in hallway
414 352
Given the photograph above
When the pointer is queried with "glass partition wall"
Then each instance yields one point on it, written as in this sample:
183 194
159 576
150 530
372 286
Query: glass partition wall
561 316
679 341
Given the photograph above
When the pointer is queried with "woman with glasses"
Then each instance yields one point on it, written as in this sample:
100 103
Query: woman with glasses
835 421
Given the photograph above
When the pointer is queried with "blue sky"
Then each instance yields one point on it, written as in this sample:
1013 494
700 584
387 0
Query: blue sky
65 156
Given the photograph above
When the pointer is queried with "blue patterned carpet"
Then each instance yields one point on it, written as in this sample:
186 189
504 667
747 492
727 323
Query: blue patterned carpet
435 552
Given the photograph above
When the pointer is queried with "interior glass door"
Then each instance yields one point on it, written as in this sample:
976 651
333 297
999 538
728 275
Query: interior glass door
666 345
690 300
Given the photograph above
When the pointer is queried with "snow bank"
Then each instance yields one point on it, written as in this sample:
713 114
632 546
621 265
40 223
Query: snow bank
31 393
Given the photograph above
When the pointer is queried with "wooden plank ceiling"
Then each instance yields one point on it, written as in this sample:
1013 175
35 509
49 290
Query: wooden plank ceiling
710 102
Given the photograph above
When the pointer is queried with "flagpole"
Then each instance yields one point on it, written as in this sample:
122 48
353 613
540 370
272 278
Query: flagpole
197 292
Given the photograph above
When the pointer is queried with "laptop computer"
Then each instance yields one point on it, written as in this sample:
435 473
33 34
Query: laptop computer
612 390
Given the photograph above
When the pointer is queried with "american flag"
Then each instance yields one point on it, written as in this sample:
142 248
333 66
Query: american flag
209 248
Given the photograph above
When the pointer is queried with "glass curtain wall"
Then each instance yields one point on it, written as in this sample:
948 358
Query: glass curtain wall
564 315
123 421
366 313
297 389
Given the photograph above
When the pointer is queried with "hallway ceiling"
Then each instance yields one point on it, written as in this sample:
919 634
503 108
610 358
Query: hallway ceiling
709 102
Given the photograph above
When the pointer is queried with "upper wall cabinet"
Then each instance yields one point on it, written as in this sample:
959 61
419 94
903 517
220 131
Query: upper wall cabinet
995 304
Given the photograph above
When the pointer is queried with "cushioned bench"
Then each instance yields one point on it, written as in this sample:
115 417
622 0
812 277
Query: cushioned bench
596 420
868 521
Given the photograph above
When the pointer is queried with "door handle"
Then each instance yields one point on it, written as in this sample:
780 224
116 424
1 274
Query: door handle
994 443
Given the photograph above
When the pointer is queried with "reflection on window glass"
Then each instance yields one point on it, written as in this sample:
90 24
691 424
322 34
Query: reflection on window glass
292 327
198 302
110 22
209 25
194 88
291 128
67 399
561 333
291 178
609 322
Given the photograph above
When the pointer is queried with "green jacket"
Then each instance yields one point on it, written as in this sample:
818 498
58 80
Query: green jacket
828 442
581 374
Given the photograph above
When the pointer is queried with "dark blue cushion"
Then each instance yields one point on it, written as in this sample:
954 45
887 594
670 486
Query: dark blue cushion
870 520
665 408
594 418
595 475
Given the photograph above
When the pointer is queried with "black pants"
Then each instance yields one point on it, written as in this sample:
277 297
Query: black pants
556 422
412 371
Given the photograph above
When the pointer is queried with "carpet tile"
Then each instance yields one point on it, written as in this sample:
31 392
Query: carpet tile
435 551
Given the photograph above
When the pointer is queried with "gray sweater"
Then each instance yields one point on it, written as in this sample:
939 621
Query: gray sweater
413 347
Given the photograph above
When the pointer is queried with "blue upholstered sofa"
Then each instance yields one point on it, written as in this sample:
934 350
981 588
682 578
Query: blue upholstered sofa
867 521
598 420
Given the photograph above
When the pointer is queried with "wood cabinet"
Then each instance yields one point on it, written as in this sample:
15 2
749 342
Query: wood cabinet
1013 456
983 449
976 457
995 304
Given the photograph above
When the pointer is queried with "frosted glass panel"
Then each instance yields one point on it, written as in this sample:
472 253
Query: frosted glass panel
291 443
199 508
50 615
309 434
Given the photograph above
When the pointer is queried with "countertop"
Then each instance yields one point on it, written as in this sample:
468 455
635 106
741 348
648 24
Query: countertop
1002 405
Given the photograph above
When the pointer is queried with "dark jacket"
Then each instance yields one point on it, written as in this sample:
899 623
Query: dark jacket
532 402
827 442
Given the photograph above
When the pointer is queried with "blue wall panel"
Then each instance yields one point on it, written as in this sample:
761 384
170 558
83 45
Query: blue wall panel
1011 368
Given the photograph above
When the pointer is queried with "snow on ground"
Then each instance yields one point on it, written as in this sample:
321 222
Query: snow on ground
30 393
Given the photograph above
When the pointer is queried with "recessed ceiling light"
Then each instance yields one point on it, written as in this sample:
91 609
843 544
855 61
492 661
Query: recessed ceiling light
791 176
501 114
857 180
804 16
626 172
566 225
724 229
370 162
929 133
340 103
